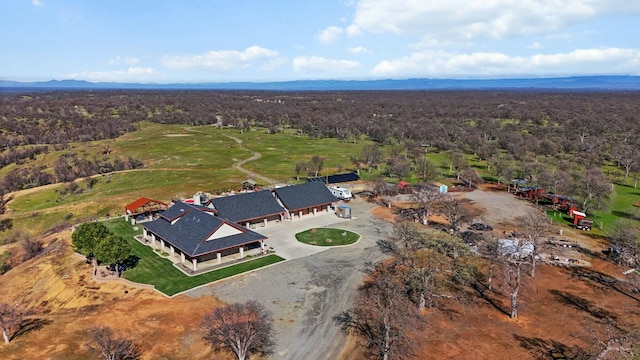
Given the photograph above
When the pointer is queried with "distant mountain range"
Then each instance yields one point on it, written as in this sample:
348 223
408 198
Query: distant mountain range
579 83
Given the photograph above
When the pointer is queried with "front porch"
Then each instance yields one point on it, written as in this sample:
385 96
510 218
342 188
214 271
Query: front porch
202 264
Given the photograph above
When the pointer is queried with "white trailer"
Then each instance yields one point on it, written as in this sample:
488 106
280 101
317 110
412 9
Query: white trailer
340 192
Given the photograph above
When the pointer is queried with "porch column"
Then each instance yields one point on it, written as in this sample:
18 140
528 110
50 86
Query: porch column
328 208
126 217
281 217
161 244
172 250
300 214
219 255
195 264
242 252
247 225
265 222
182 258
133 221
315 211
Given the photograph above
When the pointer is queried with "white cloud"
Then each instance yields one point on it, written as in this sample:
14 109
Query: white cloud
124 60
535 45
317 64
359 50
129 75
37 3
329 35
353 31
463 20
220 60
431 63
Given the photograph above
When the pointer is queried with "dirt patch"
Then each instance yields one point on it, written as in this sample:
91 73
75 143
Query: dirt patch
66 303
177 135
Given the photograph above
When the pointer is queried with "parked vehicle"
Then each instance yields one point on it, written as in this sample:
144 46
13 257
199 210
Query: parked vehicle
341 193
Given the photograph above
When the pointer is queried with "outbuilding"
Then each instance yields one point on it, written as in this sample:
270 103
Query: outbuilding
250 208
305 199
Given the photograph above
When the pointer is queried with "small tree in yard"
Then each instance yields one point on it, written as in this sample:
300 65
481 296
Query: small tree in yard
11 317
113 249
111 347
241 328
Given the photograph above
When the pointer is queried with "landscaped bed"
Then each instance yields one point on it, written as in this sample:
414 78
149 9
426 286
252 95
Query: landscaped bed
327 237
160 272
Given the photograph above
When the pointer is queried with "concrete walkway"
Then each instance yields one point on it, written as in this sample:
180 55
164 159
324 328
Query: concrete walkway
281 236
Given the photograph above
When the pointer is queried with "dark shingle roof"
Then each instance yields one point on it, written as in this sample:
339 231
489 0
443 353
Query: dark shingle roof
247 206
192 228
296 197
338 178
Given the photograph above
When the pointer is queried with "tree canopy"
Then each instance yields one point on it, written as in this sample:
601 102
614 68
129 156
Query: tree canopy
87 236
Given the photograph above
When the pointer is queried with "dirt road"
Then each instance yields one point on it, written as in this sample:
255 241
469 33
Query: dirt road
304 294
255 156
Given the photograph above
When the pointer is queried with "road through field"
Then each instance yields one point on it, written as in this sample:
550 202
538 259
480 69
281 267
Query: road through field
255 156
305 294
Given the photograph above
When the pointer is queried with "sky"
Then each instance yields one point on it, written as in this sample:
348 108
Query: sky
197 41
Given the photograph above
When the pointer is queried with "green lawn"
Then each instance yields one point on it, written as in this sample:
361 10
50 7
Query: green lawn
160 272
327 237
624 202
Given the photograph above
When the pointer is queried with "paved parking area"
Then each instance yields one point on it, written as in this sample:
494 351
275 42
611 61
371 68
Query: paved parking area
281 236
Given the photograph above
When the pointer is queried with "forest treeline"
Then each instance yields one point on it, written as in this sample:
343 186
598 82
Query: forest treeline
584 128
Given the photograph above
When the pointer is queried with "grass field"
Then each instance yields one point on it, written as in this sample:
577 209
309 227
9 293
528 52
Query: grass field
154 270
178 162
181 160
327 237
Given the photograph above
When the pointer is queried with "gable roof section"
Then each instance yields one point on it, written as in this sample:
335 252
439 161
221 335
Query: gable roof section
195 232
144 202
247 206
311 194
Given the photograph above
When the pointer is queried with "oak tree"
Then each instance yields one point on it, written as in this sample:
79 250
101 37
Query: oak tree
240 328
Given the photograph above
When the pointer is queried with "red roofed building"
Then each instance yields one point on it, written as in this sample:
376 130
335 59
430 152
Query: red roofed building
144 206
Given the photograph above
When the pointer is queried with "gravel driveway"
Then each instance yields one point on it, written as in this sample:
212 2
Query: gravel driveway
305 293
500 208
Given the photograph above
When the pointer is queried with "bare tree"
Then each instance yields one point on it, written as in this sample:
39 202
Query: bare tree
30 247
535 226
112 347
514 255
316 164
454 211
240 328
372 156
300 168
432 264
592 189
382 317
625 241
426 199
11 317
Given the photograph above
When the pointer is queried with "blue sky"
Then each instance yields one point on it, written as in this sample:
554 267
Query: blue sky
167 41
